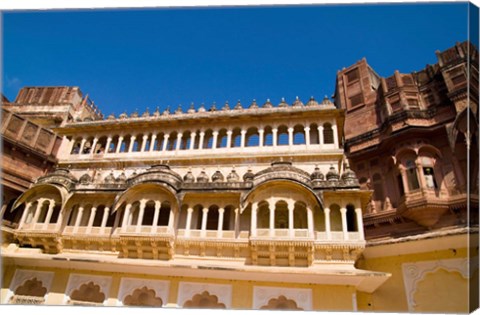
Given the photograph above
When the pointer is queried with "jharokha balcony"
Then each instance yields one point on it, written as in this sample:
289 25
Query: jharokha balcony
275 217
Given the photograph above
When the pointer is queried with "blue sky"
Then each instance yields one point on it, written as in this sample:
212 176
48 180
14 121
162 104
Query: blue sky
134 59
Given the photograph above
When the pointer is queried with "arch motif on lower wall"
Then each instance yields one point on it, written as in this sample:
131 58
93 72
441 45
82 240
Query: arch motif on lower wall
87 290
203 300
143 297
281 303
143 292
414 273
29 287
280 298
204 295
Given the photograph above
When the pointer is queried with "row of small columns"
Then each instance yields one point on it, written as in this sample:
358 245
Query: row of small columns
214 142
128 216
93 211
291 205
203 230
271 207
37 212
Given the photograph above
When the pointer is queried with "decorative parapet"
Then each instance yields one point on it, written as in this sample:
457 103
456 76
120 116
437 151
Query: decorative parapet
226 111
61 177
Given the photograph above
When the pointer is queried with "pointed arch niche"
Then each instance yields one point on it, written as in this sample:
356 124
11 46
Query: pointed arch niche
29 287
143 292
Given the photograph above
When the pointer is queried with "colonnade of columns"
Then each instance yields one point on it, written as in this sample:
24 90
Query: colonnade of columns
220 223
32 216
93 211
272 209
193 144
129 214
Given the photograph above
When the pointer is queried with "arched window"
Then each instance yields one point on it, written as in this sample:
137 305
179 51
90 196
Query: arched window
76 146
314 139
327 133
412 177
281 215
212 218
186 140
252 137
268 136
208 139
299 135
222 138
158 145
282 135
172 141
236 138
351 219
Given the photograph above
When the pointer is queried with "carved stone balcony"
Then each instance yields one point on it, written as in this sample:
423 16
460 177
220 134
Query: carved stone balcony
89 238
43 235
147 242
424 206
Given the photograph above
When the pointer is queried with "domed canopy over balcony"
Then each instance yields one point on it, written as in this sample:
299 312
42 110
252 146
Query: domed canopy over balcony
284 171
60 177
158 173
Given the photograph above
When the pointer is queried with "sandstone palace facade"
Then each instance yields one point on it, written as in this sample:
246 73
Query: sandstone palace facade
367 202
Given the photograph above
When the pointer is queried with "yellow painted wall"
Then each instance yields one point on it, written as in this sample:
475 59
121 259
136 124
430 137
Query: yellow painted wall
391 296
449 290
324 297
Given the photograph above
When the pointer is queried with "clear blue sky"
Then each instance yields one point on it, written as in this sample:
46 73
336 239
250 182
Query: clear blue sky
134 59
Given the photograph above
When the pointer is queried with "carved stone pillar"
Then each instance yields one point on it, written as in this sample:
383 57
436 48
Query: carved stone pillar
78 219
311 232
260 137
358 214
193 135
106 212
165 142
320 135
152 142
328 229
189 221
343 212
237 222
93 211
291 207
215 139
271 225
94 144
49 214
220 222
253 224
274 136
144 143
82 145
204 222
138 228
200 143
179 141
24 215
171 220
242 139
132 142
107 145
290 136
126 216
229 138
307 136
335 135
156 214
119 144
38 210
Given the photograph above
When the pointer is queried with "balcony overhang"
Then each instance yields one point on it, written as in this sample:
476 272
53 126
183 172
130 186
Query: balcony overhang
322 274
